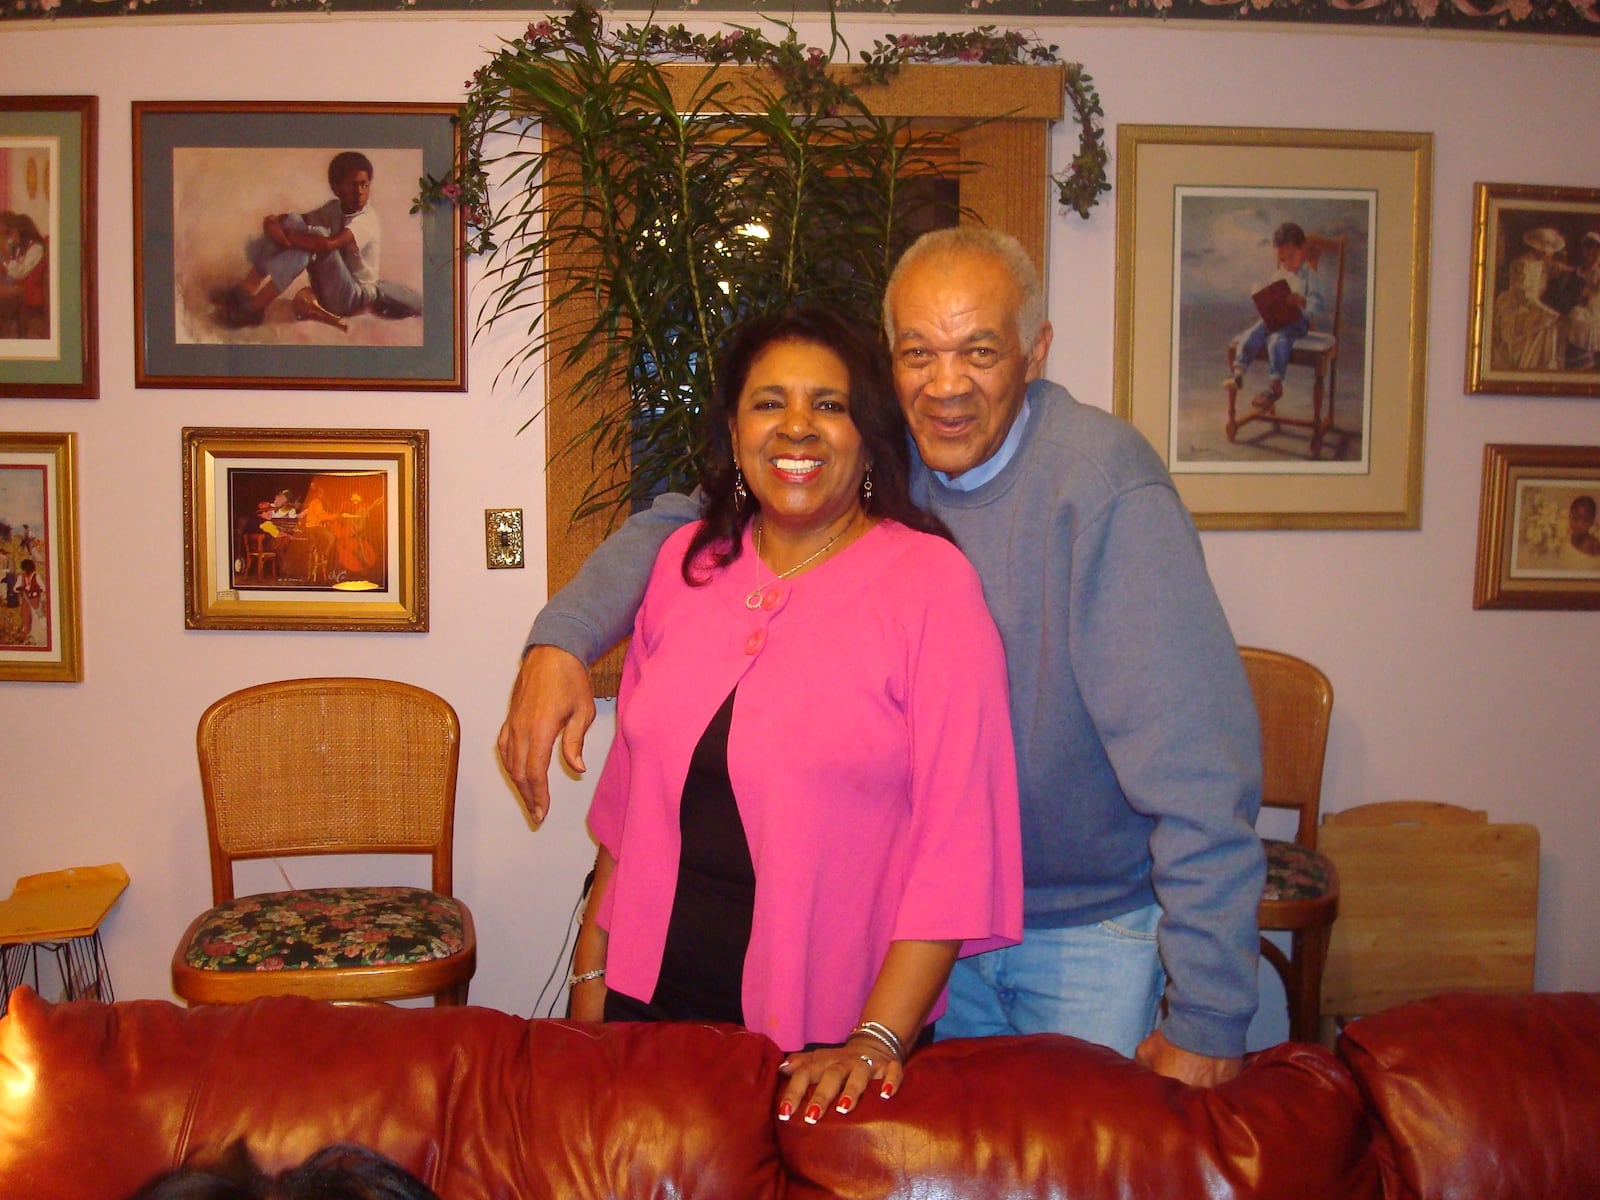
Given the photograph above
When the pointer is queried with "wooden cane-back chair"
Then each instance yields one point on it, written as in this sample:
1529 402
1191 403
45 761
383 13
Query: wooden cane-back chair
1295 702
319 767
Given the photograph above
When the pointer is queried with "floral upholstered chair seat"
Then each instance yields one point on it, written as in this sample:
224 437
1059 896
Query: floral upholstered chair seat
1295 872
327 927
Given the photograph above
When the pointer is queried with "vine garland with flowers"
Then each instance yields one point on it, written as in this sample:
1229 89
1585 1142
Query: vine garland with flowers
801 70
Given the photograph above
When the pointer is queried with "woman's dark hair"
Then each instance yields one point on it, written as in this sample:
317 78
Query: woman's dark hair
874 411
341 1172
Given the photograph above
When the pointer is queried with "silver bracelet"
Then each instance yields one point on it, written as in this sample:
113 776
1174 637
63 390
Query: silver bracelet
881 1034
597 973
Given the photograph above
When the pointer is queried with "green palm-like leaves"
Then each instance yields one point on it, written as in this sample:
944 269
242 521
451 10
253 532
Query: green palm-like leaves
636 230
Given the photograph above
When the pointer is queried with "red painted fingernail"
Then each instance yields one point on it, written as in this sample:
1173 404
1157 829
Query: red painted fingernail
845 1104
886 1090
785 1111
813 1114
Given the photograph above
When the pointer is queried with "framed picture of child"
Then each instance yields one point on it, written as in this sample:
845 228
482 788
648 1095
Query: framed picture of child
1534 327
1270 319
1539 528
306 529
49 345
40 635
275 246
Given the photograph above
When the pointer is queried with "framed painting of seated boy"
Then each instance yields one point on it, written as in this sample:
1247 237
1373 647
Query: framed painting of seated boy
1271 319
48 338
274 246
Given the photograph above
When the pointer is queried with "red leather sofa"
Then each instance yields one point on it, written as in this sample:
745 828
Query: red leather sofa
1461 1096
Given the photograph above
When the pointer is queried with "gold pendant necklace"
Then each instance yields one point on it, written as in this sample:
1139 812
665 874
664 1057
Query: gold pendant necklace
754 597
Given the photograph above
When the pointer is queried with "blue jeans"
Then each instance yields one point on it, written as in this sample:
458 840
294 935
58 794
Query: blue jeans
1277 345
1101 983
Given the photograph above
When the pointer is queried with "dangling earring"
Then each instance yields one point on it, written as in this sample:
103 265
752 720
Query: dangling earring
739 494
866 490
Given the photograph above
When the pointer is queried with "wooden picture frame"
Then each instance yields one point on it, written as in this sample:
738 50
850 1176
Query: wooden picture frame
206 179
49 337
1198 210
1534 320
1538 536
306 529
41 633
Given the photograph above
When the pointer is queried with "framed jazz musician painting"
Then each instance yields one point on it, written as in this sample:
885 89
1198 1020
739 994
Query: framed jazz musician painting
306 529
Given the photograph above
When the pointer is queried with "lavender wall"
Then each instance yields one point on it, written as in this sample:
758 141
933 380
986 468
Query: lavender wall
1492 710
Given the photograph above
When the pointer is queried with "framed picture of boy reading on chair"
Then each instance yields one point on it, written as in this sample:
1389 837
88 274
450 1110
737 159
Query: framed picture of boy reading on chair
1271 304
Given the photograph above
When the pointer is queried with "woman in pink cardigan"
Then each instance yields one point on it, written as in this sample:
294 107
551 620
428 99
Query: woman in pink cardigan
810 808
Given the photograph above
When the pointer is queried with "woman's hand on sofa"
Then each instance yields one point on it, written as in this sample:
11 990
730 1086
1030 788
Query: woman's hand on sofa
836 1077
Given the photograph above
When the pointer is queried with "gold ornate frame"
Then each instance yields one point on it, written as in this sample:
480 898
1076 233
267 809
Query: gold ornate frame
218 593
60 659
1153 162
1523 521
1502 213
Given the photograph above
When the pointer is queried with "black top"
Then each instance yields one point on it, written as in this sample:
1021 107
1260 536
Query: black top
702 964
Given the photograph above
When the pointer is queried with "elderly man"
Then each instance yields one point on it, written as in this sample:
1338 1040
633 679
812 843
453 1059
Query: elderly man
1137 744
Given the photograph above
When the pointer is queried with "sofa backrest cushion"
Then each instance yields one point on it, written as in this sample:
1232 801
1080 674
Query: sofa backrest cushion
1490 1097
1049 1116
95 1100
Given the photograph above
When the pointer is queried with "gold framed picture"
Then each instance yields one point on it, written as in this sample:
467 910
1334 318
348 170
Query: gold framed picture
1271 319
41 637
1534 326
1538 532
306 529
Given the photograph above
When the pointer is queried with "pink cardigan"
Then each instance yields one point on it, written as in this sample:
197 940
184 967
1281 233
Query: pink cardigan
871 758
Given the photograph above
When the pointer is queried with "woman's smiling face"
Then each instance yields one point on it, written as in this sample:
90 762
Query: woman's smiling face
793 438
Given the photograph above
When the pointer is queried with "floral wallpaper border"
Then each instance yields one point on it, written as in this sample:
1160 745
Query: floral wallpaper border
1568 17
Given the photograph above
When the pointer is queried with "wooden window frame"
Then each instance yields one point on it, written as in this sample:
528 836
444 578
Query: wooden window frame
1008 190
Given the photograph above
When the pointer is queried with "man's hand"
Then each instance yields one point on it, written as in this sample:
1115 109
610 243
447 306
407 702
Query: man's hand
1198 1070
551 698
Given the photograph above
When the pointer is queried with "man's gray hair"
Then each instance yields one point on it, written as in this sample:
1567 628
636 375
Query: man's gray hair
977 239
